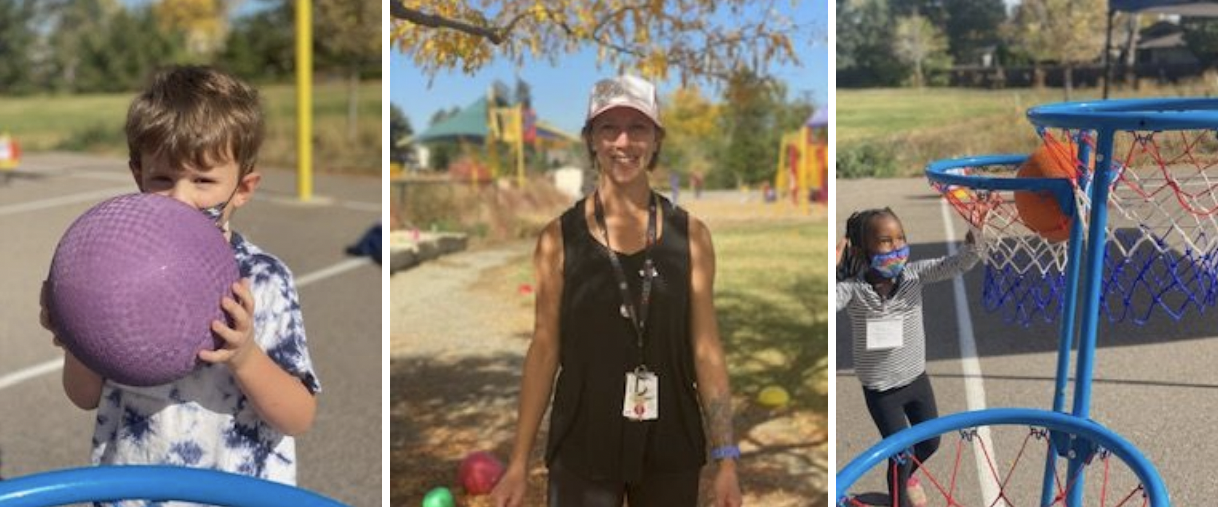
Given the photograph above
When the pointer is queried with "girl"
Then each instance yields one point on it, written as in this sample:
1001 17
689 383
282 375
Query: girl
882 294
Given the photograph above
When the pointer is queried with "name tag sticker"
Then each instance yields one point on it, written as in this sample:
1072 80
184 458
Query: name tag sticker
885 334
642 400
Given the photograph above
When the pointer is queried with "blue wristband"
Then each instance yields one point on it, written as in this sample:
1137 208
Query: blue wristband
725 452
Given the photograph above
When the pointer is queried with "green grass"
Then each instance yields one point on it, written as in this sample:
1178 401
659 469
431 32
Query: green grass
94 123
771 300
871 114
920 126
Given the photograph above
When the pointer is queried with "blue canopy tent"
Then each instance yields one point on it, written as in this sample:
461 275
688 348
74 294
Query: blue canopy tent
1191 8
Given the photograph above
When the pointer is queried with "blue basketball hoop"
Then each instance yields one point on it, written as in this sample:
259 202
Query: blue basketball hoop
1076 433
154 483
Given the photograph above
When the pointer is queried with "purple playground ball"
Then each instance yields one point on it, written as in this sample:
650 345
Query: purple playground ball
134 286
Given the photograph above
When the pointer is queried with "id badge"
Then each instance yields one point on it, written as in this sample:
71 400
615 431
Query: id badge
885 334
642 400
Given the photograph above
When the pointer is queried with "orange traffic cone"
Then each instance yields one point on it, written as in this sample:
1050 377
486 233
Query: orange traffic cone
10 152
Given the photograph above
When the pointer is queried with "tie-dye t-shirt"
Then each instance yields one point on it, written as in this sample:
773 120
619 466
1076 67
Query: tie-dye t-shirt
204 420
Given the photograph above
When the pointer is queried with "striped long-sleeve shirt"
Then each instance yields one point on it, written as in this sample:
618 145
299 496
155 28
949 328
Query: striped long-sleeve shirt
886 369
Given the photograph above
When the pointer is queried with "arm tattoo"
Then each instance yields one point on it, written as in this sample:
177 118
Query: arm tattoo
718 412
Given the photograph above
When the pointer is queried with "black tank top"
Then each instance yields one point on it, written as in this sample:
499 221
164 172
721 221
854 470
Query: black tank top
598 346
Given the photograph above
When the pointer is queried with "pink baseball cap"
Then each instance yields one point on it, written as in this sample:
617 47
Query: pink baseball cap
624 91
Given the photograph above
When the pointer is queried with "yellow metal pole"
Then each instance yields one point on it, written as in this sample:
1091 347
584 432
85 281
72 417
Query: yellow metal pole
304 100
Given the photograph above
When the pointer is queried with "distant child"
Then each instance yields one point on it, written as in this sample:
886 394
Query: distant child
882 294
194 135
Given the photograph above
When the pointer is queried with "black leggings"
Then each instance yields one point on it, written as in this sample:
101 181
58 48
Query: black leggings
896 409
570 490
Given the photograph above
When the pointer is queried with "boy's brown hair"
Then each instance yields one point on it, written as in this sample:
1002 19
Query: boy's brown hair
197 114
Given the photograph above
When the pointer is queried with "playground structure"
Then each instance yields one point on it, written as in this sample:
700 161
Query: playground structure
491 122
803 168
1143 216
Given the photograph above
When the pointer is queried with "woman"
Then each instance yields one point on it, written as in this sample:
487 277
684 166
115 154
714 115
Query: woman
624 292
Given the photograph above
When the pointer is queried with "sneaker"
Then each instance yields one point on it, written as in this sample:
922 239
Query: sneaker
917 496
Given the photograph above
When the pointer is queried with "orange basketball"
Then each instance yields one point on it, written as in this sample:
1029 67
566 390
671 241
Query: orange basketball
1040 210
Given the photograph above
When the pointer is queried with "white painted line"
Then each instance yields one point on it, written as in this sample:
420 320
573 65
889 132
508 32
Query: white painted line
974 386
374 207
96 195
55 365
20 376
333 270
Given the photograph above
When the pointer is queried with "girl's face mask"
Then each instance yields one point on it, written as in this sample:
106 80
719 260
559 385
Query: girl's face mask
889 265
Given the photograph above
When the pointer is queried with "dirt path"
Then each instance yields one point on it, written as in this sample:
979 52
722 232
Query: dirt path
446 308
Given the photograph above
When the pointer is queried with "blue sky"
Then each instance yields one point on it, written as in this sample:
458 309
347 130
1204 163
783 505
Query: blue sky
560 91
244 7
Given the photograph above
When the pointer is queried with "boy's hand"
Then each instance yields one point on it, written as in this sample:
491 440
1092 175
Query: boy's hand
842 244
239 339
44 316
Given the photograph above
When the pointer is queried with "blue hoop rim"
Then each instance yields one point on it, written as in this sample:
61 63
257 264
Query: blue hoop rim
1152 483
1128 114
152 482
940 172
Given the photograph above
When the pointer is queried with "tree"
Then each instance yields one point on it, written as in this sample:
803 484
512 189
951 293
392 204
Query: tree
442 114
17 40
691 125
864 49
524 93
102 46
134 47
351 41
972 25
915 41
77 28
652 36
754 116
202 23
399 129
261 46
1201 35
1069 32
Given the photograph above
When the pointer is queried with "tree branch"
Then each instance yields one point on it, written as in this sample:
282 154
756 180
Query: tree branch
399 11
687 59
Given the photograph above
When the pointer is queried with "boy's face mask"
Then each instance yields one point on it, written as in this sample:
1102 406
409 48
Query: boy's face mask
889 265
216 213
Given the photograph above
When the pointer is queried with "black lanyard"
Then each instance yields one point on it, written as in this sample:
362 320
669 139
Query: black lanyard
638 318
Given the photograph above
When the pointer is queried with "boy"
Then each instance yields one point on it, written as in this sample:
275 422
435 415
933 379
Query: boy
194 135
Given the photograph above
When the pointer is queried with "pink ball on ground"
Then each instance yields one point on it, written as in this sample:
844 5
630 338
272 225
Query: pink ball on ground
134 286
479 472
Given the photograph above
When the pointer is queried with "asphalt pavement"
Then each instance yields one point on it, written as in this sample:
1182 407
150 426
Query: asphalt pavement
341 298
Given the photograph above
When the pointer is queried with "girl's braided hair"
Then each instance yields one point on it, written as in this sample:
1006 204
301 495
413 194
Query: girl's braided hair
854 259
